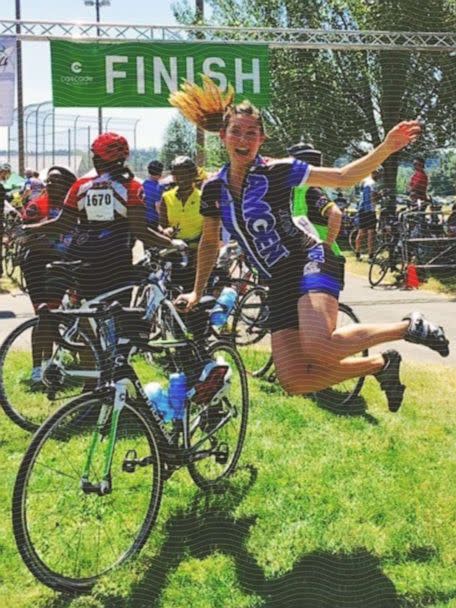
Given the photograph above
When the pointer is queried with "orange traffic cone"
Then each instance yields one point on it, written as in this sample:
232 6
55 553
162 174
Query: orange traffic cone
411 277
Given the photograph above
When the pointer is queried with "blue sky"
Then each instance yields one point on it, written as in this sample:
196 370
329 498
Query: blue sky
36 55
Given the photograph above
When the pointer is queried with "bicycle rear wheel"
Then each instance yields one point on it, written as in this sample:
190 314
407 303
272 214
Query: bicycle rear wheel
29 405
352 238
9 261
216 427
69 538
387 259
379 266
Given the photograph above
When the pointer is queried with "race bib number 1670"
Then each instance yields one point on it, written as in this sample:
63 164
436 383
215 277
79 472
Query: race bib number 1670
99 205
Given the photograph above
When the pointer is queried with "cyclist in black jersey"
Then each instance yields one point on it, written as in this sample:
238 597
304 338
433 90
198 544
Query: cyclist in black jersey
251 198
106 213
324 214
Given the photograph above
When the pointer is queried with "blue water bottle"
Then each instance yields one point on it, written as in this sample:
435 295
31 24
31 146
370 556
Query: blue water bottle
223 306
177 392
159 399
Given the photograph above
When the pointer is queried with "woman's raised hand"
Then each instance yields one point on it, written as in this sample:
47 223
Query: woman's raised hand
403 134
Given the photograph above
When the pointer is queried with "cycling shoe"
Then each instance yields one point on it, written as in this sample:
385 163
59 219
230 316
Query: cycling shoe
389 379
422 331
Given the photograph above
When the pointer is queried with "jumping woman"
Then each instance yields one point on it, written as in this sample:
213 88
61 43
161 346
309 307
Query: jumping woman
251 198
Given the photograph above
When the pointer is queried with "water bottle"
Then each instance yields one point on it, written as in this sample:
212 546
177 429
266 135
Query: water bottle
159 399
223 306
177 391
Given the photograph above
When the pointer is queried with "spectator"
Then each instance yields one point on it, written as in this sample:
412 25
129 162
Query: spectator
5 174
11 181
33 186
366 215
153 192
313 204
418 184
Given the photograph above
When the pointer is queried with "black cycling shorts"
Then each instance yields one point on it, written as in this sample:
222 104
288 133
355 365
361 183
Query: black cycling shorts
320 272
367 220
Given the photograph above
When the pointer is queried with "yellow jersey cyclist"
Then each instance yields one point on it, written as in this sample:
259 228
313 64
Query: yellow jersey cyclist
180 215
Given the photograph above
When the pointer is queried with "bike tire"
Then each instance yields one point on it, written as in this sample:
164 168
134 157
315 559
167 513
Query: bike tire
27 409
209 472
379 265
9 262
352 239
264 369
65 506
250 322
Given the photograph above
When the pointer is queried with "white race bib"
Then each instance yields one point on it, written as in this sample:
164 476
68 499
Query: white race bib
99 205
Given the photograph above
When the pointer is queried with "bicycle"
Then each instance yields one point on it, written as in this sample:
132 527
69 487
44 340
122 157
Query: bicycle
13 253
389 258
89 487
74 361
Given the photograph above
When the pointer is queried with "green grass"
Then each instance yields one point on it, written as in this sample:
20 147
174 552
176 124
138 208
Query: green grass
325 510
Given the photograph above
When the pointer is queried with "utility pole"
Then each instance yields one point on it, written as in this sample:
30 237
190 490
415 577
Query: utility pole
97 4
20 96
200 140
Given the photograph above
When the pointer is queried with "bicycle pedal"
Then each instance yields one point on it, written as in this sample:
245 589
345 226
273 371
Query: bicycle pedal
221 456
130 461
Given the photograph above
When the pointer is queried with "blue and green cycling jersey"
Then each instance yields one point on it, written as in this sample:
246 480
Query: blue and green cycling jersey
313 203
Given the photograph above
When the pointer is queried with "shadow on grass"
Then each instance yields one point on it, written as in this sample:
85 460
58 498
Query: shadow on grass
317 580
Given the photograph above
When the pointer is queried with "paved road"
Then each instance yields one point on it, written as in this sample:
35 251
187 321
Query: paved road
371 305
14 309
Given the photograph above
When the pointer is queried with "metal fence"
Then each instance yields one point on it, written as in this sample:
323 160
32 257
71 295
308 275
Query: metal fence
53 137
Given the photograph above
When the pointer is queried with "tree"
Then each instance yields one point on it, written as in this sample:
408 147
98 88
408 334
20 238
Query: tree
344 102
214 152
443 177
179 140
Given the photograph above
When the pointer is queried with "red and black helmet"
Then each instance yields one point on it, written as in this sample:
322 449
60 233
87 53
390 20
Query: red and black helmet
111 147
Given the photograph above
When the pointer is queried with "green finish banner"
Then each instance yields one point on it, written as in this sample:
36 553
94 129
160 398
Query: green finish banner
132 74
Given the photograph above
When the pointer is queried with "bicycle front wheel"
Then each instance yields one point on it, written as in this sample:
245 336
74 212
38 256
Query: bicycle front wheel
67 537
251 317
216 425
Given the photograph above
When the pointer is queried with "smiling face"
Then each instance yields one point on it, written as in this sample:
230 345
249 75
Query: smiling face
242 138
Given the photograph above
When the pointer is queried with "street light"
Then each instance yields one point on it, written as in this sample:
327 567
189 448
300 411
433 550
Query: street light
97 4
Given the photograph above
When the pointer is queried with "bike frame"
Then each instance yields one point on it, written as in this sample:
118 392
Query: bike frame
156 282
126 384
